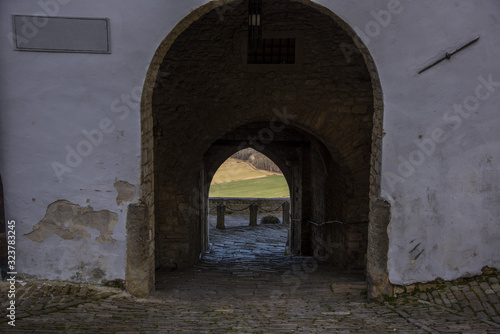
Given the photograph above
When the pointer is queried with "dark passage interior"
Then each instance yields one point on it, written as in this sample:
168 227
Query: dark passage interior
314 117
319 188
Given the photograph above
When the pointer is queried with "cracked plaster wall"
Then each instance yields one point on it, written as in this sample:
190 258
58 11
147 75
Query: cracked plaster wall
449 205
70 221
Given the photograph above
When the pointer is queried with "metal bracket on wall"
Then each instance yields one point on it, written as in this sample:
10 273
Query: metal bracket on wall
448 55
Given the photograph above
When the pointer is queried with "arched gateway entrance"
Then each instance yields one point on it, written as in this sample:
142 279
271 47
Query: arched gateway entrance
306 93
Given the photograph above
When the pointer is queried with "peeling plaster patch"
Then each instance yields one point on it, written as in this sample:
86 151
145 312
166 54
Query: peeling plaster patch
126 192
70 221
88 271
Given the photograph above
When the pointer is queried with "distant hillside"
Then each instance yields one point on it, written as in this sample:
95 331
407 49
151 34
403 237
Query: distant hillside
237 170
256 159
240 178
264 187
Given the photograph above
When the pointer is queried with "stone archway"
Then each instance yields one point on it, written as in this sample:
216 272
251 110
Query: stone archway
201 87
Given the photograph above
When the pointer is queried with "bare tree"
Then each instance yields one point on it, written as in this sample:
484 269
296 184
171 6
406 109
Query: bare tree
256 159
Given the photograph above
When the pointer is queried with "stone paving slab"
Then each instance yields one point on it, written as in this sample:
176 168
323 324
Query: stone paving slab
479 296
246 284
219 316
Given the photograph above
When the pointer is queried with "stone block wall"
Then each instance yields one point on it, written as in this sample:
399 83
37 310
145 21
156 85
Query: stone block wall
140 251
342 245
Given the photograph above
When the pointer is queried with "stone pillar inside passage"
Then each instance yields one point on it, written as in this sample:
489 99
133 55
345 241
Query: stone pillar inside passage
296 219
254 208
286 214
221 216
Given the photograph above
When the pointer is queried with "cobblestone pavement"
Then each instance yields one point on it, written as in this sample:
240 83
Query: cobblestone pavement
478 296
247 284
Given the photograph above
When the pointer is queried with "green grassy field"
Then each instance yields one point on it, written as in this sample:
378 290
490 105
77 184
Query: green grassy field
236 170
264 187
237 179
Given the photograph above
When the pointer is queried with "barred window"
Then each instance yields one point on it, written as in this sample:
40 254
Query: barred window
271 51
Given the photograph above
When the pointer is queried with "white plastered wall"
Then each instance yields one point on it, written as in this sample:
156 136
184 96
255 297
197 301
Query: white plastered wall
445 200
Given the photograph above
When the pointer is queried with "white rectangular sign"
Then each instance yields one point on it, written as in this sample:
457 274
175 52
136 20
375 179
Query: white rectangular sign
61 34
